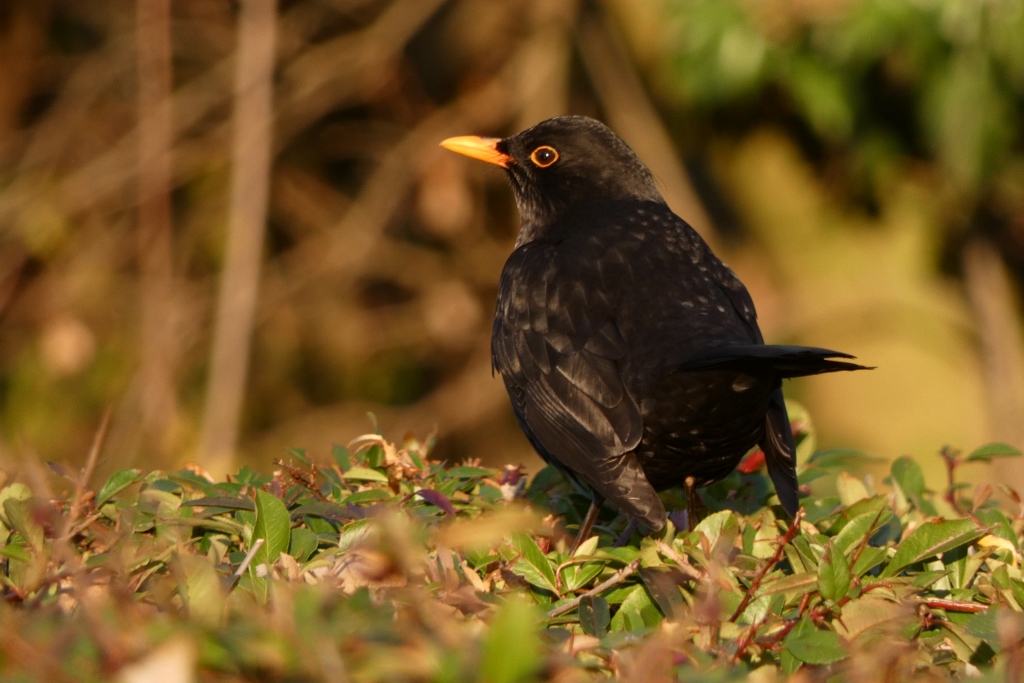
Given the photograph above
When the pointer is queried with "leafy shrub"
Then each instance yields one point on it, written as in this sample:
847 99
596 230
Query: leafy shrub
384 565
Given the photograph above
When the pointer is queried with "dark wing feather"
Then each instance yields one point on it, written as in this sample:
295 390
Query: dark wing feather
559 352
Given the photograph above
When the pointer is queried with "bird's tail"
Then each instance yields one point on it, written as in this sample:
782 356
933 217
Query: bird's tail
784 361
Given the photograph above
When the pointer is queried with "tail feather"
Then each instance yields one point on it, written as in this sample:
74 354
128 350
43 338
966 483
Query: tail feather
783 361
780 453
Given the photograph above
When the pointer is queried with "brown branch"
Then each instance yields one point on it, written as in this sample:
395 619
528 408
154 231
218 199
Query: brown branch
632 114
990 291
154 383
250 180
306 480
616 578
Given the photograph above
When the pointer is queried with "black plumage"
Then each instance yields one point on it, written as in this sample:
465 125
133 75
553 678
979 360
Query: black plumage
631 353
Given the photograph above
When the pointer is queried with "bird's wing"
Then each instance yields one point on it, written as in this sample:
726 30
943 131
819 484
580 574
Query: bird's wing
738 296
556 344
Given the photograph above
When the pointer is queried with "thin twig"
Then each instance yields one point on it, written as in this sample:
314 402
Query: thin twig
90 466
616 578
763 571
867 537
300 478
954 605
248 559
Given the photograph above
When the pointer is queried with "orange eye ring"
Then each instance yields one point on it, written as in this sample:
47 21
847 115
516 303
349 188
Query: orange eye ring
544 156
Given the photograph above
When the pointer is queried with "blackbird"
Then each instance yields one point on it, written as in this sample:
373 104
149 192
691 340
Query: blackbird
631 354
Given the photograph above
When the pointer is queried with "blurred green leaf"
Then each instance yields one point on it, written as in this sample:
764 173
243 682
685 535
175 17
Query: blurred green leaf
512 650
594 615
20 518
811 646
342 457
993 450
720 529
365 474
117 482
302 543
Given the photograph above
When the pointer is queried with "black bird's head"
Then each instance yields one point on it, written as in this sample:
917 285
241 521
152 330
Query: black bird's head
561 165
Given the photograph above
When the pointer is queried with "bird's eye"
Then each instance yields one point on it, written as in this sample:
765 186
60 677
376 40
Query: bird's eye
544 156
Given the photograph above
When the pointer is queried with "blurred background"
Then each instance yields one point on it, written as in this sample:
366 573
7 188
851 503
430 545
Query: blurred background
229 222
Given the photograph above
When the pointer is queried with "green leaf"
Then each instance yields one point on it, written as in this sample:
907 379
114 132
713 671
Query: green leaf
16 491
637 612
861 507
582 577
221 502
983 625
721 530
19 516
512 650
594 615
118 482
342 457
368 496
200 588
320 508
834 575
869 558
273 525
365 474
798 584
870 613
663 586
993 450
466 472
303 543
812 646
299 454
909 475
543 573
853 533
932 538
851 489
840 458
908 478
623 555
767 537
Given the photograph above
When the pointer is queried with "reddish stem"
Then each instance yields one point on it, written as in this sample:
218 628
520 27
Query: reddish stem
756 583
954 605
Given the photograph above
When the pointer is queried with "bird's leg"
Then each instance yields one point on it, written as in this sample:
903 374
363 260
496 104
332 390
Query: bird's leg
588 524
690 484
624 537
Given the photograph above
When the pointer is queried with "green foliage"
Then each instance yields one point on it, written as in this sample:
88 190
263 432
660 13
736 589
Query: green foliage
881 81
384 565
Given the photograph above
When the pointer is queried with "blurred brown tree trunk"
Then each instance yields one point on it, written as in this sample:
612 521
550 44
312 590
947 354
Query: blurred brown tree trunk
22 42
155 386
995 305
239 284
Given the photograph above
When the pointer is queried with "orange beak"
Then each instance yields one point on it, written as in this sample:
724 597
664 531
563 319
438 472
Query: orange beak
484 149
